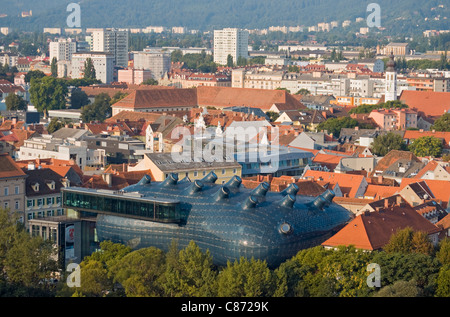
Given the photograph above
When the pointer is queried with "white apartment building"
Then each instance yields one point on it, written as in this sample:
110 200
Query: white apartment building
255 79
103 64
157 62
62 49
112 41
230 41
8 58
47 146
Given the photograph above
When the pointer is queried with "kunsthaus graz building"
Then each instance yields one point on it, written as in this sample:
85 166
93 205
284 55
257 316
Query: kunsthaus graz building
228 219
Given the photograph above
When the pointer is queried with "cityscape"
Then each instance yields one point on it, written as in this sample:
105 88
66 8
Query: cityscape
291 154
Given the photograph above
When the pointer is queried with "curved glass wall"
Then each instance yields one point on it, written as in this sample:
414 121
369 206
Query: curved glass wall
160 211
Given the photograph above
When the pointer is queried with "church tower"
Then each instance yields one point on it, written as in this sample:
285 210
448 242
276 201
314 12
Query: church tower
390 93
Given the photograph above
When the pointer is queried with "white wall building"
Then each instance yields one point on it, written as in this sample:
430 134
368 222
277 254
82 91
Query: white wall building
230 41
62 49
112 41
49 147
103 64
157 62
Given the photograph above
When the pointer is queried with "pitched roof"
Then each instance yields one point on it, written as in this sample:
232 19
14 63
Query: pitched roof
247 97
373 230
429 102
439 188
348 183
44 177
392 157
328 160
9 168
380 191
157 98
412 135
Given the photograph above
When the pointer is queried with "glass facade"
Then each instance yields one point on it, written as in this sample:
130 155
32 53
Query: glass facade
159 211
228 220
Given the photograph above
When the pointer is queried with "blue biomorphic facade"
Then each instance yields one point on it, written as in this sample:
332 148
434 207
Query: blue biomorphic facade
227 219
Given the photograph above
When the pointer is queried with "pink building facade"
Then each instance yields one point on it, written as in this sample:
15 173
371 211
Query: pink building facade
133 76
394 119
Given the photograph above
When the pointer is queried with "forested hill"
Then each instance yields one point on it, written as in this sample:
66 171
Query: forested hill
399 15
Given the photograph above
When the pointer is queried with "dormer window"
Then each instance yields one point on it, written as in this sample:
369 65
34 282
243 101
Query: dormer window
51 185
35 187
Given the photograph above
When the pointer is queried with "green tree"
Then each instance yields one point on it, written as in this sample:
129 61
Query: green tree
140 272
118 96
246 278
443 282
241 61
230 62
442 123
334 125
78 99
363 108
99 110
150 81
303 92
54 125
418 267
427 146
407 240
26 262
29 261
272 115
400 289
54 67
190 273
33 74
15 102
443 252
94 280
48 93
383 144
89 69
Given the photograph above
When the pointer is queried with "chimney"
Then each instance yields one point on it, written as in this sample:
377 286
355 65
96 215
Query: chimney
386 203
107 177
65 182
380 179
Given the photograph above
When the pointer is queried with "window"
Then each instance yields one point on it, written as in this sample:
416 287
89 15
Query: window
6 191
16 190
6 205
17 204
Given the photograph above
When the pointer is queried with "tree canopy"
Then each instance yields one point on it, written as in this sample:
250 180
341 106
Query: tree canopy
442 123
15 102
383 144
426 146
48 93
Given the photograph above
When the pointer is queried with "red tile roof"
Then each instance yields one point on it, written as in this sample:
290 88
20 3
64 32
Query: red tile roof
204 96
429 102
439 188
380 191
348 183
9 168
373 230
414 134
